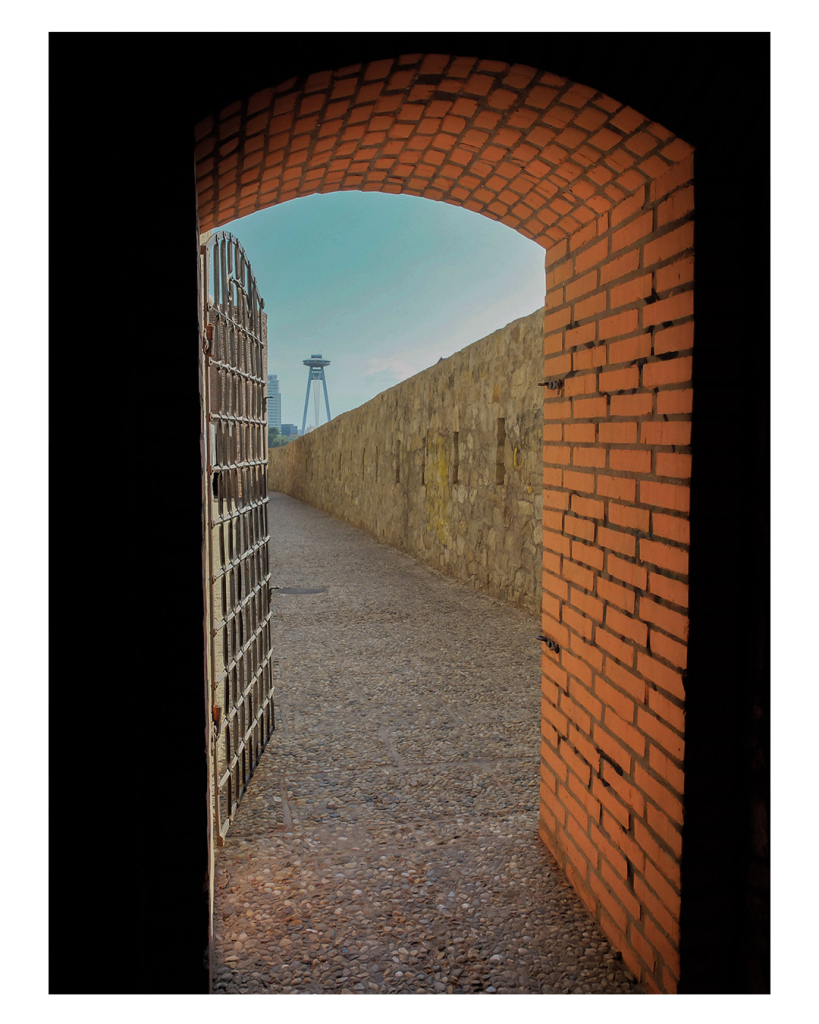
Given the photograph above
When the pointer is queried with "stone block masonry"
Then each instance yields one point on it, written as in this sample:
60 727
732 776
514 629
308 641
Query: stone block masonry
445 466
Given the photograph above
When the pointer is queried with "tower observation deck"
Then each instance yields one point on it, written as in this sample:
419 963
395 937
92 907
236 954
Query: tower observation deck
315 371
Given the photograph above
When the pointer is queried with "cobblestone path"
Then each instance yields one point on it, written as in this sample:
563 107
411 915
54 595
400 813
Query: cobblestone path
388 841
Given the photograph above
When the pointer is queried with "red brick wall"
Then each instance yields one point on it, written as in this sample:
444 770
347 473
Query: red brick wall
619 333
609 195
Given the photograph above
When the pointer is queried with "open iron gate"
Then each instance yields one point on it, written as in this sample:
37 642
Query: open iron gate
238 601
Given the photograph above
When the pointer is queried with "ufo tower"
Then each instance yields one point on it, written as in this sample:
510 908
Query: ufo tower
315 371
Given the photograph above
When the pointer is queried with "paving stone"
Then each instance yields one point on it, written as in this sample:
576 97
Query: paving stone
388 839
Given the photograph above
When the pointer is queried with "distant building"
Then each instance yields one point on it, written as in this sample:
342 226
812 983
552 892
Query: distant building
274 402
289 430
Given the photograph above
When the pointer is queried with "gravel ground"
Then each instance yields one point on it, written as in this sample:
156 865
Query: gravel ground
388 841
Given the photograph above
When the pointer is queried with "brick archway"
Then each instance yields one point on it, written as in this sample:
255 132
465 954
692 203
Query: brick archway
539 153
609 196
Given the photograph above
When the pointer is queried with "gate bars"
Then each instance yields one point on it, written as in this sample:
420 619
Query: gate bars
240 628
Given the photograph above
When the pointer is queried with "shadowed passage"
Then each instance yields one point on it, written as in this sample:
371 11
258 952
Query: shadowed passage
388 840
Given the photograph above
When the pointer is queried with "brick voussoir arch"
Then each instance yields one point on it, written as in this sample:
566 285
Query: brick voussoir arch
608 194
532 150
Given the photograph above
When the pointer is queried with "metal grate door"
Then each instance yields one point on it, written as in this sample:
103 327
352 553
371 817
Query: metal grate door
239 627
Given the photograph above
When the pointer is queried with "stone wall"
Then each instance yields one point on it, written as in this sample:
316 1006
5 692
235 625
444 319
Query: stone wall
446 466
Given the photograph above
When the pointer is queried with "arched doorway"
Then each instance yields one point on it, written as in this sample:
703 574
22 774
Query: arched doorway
609 195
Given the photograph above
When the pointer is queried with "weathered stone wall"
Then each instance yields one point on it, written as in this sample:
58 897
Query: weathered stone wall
446 466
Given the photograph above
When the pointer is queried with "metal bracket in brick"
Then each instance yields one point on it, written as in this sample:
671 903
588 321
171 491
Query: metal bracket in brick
551 644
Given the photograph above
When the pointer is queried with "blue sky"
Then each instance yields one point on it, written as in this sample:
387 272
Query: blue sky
382 286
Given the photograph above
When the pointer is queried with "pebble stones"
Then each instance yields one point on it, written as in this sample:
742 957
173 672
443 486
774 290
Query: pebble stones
388 840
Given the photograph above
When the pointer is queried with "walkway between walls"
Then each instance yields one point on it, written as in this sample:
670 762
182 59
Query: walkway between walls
388 841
